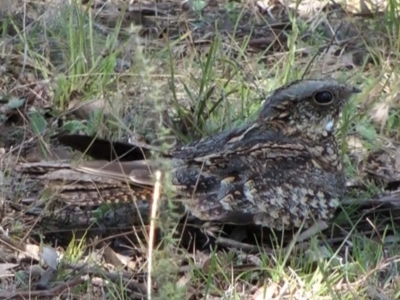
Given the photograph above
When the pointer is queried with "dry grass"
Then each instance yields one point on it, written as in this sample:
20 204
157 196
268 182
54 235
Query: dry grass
81 68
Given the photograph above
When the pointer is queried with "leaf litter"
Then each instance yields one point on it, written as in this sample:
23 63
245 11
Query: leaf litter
30 112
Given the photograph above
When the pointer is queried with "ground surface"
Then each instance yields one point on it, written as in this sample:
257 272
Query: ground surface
167 73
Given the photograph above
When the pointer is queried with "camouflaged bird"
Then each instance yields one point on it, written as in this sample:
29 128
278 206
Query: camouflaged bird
282 170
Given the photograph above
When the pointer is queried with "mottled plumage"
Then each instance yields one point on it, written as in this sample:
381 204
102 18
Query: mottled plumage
279 171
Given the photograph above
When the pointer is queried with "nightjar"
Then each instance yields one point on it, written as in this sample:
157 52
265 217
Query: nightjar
282 170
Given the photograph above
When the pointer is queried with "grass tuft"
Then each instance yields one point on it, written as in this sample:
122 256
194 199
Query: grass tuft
133 72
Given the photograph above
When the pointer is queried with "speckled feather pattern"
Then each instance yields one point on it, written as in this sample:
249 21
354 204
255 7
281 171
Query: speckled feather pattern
282 170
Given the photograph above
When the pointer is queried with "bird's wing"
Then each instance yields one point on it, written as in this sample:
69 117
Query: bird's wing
202 165
254 141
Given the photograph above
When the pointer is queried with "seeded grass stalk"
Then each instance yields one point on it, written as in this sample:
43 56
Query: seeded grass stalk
154 207
218 92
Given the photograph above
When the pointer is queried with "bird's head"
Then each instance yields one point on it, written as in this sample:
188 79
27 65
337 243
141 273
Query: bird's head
307 106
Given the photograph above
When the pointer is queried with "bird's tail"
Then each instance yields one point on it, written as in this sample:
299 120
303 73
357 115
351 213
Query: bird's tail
140 172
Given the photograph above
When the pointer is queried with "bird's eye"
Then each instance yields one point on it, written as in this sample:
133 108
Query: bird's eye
323 98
